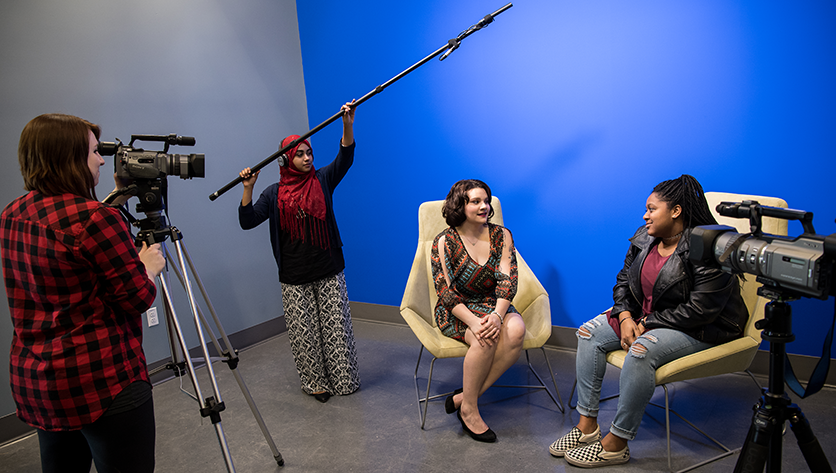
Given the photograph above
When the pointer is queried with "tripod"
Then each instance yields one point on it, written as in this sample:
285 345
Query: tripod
154 230
763 442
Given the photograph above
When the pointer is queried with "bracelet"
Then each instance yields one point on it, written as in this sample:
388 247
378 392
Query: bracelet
501 319
625 318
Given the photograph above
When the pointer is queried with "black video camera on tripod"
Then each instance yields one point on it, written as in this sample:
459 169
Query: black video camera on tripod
148 171
788 268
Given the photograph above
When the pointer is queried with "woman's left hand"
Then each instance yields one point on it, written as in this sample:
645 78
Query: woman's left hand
348 112
120 184
348 123
630 331
491 326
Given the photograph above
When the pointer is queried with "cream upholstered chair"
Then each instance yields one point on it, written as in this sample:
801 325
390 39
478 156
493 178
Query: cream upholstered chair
730 357
420 298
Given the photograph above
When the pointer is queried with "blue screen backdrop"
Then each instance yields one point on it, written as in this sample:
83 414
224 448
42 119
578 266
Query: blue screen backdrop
571 112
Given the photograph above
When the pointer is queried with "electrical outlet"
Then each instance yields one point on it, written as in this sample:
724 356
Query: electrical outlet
152 317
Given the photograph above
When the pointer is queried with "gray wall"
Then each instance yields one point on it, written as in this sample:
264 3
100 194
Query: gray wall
227 73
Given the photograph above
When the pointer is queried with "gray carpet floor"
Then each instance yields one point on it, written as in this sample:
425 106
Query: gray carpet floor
377 428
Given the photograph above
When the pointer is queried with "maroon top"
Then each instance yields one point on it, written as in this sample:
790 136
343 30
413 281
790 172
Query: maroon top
650 272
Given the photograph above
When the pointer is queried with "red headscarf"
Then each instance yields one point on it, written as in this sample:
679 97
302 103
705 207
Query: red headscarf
301 196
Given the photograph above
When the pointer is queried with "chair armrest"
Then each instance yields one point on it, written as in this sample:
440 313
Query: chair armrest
729 357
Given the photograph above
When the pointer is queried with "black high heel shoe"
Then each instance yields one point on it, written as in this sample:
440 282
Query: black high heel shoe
449 404
487 436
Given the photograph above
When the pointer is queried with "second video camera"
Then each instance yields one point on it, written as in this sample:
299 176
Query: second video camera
799 267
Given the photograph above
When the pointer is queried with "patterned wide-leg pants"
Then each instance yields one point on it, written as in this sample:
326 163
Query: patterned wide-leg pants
321 335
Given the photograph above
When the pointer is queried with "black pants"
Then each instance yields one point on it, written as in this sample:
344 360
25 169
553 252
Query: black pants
121 443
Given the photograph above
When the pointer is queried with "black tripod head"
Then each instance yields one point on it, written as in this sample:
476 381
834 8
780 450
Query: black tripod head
152 194
153 229
776 324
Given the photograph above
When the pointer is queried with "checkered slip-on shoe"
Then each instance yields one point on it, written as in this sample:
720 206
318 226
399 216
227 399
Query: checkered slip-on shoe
574 439
593 455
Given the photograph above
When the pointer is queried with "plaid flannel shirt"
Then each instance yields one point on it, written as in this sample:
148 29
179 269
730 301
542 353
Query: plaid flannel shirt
76 290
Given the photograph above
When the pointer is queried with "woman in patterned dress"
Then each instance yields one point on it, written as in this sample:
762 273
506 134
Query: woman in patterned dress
308 251
474 267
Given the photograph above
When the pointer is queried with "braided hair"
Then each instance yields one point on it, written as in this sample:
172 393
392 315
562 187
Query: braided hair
686 192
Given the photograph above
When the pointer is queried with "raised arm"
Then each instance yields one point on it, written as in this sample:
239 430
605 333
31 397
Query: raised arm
348 123
249 183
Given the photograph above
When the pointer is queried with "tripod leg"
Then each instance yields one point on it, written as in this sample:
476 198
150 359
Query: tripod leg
172 322
808 443
211 406
756 447
229 353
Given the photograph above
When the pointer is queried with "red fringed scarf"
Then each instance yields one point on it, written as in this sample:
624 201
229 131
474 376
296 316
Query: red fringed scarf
301 196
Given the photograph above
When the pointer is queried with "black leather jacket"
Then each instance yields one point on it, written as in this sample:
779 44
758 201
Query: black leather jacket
701 301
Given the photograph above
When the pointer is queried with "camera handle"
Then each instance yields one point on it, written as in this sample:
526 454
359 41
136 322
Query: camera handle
171 139
755 212
449 47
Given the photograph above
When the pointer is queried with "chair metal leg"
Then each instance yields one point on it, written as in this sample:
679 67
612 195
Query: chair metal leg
427 397
554 382
668 424
422 413
726 451
417 393
542 385
572 394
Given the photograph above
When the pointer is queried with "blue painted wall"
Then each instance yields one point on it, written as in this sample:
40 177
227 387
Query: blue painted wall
572 112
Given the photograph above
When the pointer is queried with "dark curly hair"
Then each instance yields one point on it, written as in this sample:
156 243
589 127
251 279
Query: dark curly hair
453 210
687 193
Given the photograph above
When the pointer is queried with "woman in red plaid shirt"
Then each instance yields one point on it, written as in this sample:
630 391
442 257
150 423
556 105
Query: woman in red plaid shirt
77 288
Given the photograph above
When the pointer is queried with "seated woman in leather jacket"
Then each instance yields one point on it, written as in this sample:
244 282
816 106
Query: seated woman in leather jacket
665 307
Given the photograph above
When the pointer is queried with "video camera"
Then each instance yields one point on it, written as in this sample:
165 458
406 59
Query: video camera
792 267
148 169
136 163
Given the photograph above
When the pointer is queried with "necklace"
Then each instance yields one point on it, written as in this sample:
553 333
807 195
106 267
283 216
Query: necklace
473 243
671 238
465 237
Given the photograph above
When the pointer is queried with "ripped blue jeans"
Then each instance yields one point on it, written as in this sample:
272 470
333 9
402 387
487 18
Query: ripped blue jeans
638 376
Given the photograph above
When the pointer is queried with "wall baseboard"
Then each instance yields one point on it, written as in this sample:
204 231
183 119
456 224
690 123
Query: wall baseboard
12 429
159 372
564 338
